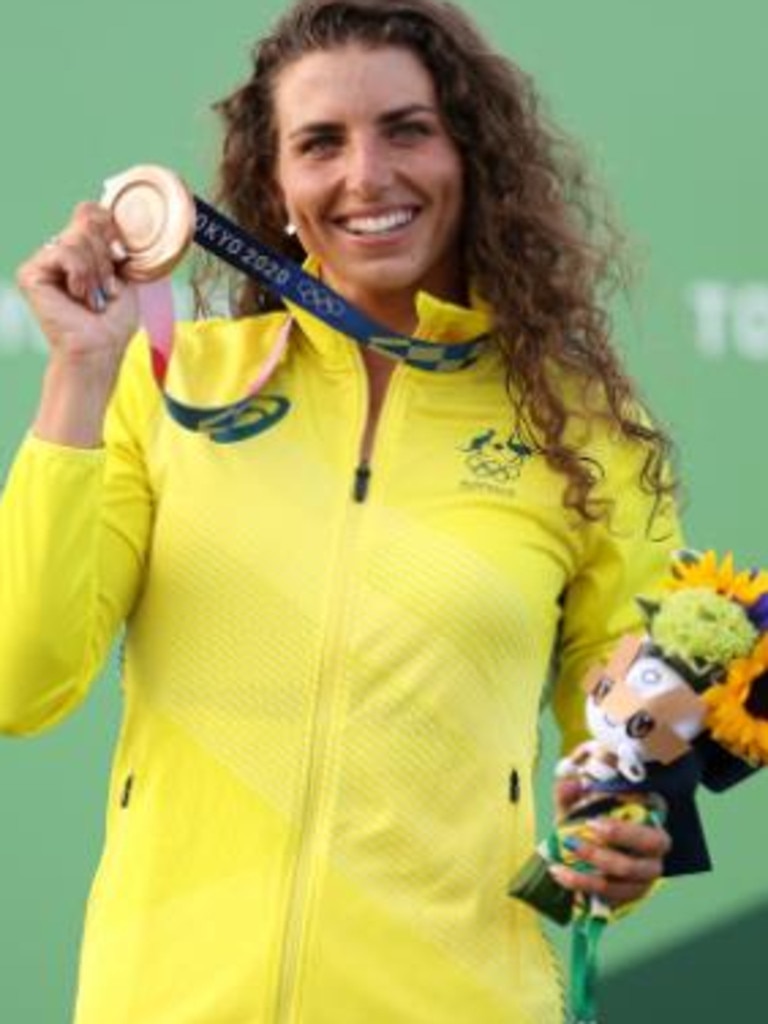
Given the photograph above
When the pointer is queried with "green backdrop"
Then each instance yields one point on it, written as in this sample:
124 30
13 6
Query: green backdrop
668 98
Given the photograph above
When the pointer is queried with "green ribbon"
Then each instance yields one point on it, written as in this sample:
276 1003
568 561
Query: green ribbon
588 928
590 913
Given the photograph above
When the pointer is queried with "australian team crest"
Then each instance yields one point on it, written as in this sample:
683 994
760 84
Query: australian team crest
494 461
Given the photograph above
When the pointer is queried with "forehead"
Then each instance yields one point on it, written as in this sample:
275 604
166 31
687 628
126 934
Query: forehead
349 83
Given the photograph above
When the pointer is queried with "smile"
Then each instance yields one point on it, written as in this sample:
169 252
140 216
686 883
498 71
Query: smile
380 224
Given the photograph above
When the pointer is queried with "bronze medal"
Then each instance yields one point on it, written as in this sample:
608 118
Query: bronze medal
155 214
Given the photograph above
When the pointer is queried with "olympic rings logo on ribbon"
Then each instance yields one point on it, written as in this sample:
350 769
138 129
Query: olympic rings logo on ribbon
317 299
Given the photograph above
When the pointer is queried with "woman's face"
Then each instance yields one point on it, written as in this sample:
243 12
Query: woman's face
369 175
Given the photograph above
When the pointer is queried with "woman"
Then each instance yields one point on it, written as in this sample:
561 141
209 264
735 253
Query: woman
338 631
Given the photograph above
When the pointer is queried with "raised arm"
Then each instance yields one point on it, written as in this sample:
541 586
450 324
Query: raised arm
76 510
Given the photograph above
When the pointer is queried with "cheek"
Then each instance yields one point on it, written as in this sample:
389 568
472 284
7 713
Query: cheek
452 184
293 193
441 172
453 207
299 189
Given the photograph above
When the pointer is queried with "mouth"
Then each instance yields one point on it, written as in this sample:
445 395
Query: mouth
378 225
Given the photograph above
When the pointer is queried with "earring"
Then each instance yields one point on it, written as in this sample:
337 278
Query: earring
290 229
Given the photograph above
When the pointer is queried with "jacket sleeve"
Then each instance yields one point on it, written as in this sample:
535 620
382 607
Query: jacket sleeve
623 558
74 530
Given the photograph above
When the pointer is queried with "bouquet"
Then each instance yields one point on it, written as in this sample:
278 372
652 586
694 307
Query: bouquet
683 704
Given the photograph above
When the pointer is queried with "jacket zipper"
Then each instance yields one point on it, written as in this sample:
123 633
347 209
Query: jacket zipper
319 740
362 479
317 762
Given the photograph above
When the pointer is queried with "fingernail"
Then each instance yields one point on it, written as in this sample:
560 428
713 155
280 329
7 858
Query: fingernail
98 300
571 843
560 874
118 250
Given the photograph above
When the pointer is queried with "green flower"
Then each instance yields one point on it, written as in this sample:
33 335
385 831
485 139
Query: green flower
702 629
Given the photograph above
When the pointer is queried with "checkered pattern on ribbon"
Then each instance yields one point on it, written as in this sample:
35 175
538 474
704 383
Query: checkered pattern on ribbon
429 356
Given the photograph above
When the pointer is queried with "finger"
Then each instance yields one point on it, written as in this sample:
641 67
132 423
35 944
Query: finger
640 840
99 221
619 893
617 865
99 232
117 249
57 264
610 890
75 258
105 280
567 791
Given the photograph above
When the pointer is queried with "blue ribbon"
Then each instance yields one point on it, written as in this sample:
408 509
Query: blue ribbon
223 238
256 413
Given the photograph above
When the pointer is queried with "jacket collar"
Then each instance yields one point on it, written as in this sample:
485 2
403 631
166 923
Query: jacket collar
438 321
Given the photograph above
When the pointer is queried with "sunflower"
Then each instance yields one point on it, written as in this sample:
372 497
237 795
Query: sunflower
737 709
747 587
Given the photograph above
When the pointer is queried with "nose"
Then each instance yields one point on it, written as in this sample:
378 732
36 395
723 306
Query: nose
369 168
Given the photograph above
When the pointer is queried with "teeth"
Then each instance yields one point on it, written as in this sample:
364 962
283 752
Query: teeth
379 225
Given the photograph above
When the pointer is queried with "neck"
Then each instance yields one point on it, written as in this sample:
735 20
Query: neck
394 309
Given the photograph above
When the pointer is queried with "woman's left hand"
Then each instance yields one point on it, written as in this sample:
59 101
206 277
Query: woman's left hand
628 857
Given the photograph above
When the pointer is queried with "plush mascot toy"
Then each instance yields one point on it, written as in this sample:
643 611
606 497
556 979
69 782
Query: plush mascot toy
684 704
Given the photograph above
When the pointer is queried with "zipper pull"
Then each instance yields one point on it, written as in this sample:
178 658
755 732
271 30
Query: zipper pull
362 479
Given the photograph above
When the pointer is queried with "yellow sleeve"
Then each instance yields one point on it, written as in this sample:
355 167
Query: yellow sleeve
74 530
624 558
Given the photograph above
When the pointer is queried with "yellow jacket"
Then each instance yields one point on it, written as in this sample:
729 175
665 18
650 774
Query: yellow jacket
322 785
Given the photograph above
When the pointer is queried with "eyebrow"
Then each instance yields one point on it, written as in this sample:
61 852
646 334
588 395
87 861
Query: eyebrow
388 118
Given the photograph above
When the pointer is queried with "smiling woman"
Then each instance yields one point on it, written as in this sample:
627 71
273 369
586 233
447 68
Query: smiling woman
371 178
339 630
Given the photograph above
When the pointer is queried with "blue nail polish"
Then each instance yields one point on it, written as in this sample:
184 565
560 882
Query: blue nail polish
99 299
571 843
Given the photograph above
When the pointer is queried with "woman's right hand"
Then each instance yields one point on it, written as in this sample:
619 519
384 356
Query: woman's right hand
73 287
88 314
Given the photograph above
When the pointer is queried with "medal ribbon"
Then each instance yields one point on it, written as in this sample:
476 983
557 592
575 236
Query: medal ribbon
591 914
588 928
255 413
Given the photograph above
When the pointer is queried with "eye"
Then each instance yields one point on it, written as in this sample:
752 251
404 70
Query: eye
410 131
320 145
601 690
640 725
651 677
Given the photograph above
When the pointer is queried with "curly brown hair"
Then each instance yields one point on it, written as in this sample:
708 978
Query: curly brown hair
539 246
